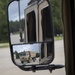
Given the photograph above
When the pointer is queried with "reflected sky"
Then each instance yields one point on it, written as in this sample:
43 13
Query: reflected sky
27 47
13 9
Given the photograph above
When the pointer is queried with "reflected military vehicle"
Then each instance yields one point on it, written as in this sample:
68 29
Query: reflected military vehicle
27 56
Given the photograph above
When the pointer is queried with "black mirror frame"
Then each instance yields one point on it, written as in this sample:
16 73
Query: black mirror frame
29 67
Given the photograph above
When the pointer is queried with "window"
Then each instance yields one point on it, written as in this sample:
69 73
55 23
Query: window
31 27
46 23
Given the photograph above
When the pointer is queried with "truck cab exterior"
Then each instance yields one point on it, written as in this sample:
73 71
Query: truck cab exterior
38 24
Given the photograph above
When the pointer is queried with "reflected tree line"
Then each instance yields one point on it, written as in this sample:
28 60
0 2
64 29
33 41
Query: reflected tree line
15 25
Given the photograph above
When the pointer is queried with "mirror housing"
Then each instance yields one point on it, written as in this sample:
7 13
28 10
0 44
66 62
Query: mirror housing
31 25
32 54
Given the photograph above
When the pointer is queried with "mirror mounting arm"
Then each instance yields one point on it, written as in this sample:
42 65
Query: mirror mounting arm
51 67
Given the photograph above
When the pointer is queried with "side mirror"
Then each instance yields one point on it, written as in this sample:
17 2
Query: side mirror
30 33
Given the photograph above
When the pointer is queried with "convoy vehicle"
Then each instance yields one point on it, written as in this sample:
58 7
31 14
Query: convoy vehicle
37 24
27 56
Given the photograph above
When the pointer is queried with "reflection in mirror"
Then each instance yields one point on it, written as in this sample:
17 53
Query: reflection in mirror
30 21
31 54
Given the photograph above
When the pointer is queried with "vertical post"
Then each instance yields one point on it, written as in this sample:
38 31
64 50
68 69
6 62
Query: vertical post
20 27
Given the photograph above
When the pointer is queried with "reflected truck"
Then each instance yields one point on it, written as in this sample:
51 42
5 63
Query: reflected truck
27 56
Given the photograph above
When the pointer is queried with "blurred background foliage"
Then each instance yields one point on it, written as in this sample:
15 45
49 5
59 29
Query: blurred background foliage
3 21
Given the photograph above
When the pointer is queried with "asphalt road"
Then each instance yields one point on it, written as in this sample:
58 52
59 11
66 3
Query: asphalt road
8 68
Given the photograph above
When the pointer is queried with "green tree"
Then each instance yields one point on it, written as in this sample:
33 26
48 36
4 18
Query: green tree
56 16
37 54
17 55
15 25
3 20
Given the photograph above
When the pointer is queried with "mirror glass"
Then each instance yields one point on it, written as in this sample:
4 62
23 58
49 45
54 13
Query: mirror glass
31 54
30 21
31 32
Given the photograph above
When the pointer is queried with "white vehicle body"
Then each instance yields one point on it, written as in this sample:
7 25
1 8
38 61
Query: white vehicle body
37 8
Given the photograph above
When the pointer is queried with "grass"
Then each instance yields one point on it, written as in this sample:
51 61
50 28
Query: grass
4 45
58 38
15 33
